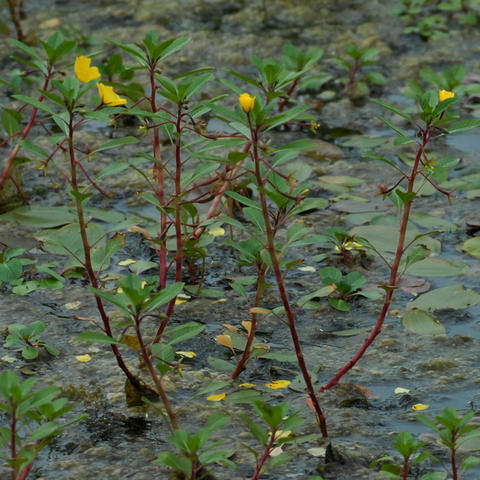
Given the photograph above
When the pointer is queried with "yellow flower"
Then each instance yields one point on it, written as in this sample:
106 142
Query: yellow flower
246 102
216 398
108 96
247 385
84 72
276 384
444 94
420 406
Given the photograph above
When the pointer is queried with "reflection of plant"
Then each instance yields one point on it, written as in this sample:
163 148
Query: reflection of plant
29 337
454 432
31 419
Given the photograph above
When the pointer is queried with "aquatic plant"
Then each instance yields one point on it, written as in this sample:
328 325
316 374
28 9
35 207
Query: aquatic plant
454 433
31 421
29 337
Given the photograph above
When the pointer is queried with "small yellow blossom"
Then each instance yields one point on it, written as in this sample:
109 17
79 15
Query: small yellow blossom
108 96
246 102
420 406
216 398
247 385
83 358
84 72
444 94
276 384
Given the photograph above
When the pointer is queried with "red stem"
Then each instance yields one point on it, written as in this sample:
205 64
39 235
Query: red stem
13 154
253 327
281 287
265 455
86 249
393 271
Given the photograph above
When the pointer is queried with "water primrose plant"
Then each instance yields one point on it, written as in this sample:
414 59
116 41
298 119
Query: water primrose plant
195 181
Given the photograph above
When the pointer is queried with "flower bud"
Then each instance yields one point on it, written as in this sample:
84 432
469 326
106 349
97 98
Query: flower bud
247 102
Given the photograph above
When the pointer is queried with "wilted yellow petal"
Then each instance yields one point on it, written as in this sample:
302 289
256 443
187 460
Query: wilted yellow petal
247 325
83 358
276 384
72 305
144 284
179 301
282 434
131 341
259 311
224 340
307 268
119 290
247 385
127 262
276 451
83 71
217 232
220 300
186 354
230 328
401 390
216 398
420 406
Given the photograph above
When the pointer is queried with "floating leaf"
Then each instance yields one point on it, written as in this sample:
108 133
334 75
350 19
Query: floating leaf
472 247
437 267
421 322
451 297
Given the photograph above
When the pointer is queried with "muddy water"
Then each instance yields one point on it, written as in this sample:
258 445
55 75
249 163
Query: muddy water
117 442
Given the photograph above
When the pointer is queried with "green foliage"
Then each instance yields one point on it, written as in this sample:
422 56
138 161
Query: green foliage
196 452
346 287
28 336
32 419
452 430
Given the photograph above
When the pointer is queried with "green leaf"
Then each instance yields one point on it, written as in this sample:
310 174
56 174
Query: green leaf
35 103
243 200
11 121
437 267
245 396
117 142
184 332
464 125
421 322
258 432
452 297
175 461
164 296
472 247
221 365
40 216
97 337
